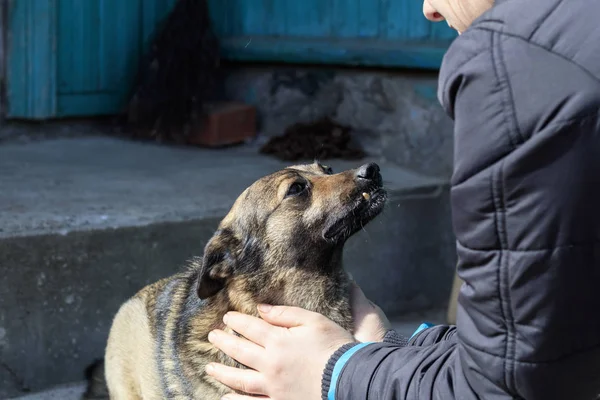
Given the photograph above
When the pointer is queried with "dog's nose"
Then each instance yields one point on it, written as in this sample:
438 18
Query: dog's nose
368 171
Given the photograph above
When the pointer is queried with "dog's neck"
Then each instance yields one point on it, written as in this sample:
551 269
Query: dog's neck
323 288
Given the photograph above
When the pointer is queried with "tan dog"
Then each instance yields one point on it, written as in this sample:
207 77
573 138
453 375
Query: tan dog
281 243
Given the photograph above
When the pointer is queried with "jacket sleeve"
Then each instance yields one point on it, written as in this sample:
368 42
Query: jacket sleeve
399 362
526 214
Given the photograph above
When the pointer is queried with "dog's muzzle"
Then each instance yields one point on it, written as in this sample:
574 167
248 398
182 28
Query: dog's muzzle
369 202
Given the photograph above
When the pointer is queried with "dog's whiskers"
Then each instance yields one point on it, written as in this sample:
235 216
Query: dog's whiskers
362 227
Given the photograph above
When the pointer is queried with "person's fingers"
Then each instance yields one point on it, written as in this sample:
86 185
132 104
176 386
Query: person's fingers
243 380
252 328
287 317
356 291
358 297
240 349
360 303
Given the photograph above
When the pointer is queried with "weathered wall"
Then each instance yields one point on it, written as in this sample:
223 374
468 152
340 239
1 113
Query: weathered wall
396 114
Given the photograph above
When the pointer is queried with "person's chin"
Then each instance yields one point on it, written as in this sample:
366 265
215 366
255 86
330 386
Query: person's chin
457 31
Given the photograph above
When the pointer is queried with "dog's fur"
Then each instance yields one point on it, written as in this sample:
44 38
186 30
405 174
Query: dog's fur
281 243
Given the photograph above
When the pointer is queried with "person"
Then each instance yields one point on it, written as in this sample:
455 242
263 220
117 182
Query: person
522 84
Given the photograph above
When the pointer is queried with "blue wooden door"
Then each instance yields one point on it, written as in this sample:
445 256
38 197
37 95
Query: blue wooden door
97 47
31 59
388 33
70 58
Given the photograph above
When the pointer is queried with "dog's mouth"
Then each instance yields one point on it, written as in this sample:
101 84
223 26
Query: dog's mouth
368 204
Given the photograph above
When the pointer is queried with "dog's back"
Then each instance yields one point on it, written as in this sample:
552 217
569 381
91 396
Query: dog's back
158 345
131 368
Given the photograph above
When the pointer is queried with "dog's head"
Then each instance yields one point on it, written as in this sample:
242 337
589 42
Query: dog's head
299 217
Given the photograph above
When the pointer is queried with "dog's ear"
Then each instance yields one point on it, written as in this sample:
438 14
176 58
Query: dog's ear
218 263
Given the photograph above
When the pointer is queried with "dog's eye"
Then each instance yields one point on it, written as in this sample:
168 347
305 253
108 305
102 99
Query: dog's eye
296 188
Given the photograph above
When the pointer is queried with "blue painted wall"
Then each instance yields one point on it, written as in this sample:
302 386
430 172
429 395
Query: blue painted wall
387 33
79 57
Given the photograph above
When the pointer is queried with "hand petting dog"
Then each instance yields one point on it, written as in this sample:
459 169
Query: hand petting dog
288 348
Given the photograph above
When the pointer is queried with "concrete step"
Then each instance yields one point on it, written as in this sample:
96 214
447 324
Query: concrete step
87 222
71 391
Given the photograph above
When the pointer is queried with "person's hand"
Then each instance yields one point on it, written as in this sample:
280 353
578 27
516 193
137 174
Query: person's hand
370 323
287 352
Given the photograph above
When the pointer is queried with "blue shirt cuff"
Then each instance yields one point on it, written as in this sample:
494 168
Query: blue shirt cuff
422 327
339 365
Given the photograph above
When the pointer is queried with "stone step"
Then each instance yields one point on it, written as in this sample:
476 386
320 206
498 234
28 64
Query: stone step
70 391
87 222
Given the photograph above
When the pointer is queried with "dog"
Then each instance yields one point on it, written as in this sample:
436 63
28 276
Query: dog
281 243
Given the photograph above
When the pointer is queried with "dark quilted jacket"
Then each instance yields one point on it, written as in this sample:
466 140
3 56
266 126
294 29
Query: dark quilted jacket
523 87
